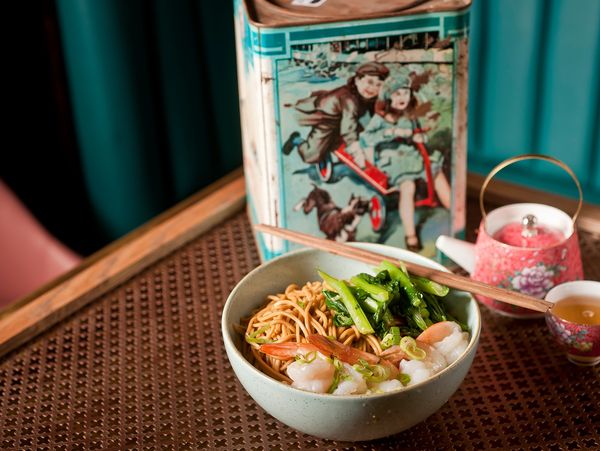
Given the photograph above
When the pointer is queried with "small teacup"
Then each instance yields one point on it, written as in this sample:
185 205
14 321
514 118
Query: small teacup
580 341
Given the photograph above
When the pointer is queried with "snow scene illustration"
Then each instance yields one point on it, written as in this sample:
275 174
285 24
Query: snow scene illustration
366 133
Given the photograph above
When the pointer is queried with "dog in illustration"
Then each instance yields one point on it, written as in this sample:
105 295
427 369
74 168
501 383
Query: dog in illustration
336 223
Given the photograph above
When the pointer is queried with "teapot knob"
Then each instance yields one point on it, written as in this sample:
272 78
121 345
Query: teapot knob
529 226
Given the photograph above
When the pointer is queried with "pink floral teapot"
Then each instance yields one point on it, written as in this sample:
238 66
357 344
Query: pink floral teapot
523 247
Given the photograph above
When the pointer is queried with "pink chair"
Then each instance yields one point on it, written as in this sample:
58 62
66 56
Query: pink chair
29 255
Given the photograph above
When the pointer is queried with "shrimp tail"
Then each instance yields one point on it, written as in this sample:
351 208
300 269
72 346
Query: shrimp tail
394 354
287 350
341 351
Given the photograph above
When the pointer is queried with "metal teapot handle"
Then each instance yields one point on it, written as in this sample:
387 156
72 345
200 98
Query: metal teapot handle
512 160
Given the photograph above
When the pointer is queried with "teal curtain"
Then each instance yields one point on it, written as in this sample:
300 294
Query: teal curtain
154 96
535 88
154 99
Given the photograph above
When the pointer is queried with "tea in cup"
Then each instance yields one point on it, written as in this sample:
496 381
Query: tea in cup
574 320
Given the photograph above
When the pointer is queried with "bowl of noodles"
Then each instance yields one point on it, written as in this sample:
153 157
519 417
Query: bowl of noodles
280 323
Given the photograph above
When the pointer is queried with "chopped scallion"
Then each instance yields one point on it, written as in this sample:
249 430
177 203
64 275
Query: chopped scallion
372 373
409 346
392 338
404 378
254 336
339 375
309 357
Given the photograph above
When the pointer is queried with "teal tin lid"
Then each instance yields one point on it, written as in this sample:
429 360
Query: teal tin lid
282 13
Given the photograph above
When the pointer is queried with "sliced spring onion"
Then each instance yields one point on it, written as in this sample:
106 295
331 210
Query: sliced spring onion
404 378
391 338
372 373
409 346
254 336
339 375
309 357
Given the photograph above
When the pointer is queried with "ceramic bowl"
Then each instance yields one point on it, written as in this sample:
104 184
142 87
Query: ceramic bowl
352 417
581 342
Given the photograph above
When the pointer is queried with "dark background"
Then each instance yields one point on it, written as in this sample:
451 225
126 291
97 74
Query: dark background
40 157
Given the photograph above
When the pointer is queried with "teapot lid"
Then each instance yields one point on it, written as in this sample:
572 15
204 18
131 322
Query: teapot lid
529 233
528 225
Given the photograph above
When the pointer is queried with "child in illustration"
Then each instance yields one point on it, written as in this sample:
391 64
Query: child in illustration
334 115
391 135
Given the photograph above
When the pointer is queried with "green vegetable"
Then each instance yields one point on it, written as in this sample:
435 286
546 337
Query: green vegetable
429 286
393 271
378 314
438 313
368 304
386 319
409 331
341 318
374 290
414 319
409 346
350 302
392 338
414 295
391 304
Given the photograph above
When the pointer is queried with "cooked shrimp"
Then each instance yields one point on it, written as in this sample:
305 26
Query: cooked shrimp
387 386
417 370
394 354
312 373
287 350
353 383
437 332
392 368
434 358
315 376
453 345
420 370
341 351
348 354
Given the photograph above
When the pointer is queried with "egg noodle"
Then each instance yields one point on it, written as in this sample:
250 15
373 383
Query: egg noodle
291 317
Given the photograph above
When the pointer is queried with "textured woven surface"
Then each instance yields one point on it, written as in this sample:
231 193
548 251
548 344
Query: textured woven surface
143 367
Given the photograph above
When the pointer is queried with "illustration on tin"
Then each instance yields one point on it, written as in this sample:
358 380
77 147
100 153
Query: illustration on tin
366 127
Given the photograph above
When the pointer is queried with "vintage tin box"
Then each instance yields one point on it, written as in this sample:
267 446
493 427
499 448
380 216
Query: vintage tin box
354 118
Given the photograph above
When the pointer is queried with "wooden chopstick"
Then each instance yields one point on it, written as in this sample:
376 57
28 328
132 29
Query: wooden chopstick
445 278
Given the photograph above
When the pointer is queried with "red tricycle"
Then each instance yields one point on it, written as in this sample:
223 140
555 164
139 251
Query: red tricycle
378 180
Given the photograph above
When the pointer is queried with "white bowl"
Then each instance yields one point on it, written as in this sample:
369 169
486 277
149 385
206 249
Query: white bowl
352 417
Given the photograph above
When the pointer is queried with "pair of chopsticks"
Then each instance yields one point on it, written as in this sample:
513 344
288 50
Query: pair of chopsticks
449 279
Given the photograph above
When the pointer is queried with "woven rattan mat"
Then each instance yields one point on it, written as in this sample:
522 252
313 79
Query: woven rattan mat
143 367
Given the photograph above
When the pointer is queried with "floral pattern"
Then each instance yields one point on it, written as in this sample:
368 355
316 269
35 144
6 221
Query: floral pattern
535 281
571 336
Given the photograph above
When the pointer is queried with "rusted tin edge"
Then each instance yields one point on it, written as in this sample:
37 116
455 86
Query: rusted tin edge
303 20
